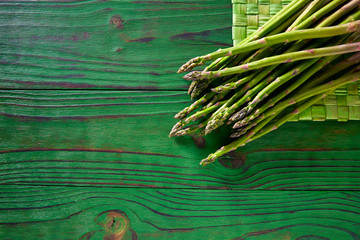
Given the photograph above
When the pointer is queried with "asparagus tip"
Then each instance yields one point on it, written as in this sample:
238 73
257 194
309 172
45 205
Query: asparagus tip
195 93
211 158
183 113
189 65
237 134
199 88
193 76
239 115
175 129
217 89
178 133
214 123
237 125
179 115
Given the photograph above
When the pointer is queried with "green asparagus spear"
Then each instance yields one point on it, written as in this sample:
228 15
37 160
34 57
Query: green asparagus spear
340 12
311 8
301 95
302 107
288 11
280 38
194 117
319 14
308 74
352 60
243 140
333 70
279 59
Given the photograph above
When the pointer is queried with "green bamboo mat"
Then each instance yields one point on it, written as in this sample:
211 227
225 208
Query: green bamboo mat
343 105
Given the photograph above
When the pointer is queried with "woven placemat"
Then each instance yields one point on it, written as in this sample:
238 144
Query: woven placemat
343 105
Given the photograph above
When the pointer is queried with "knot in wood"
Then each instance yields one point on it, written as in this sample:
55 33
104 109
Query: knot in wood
117 21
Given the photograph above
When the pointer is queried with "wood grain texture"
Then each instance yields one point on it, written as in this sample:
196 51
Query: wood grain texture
88 157
119 138
106 44
113 213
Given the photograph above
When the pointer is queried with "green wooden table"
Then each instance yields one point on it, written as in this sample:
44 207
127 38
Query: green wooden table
88 92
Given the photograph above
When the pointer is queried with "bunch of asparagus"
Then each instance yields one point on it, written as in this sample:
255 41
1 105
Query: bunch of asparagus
299 56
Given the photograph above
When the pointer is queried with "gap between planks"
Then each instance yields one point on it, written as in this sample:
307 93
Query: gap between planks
186 188
96 89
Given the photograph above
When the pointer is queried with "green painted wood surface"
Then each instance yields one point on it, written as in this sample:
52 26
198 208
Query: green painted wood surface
91 158
84 138
106 44
92 213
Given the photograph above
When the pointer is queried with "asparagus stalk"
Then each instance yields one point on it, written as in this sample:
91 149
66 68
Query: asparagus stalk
279 59
352 60
333 17
205 98
316 68
244 139
340 12
216 98
260 53
319 14
285 78
311 8
353 17
264 52
280 38
298 45
225 111
258 81
333 70
298 110
271 87
186 111
251 60
271 102
234 145
197 87
190 130
281 16
275 21
250 79
194 117
245 95
350 77
306 94
220 116
254 78
287 117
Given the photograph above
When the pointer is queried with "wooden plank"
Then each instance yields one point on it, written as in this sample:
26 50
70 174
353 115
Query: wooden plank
93 213
120 139
106 44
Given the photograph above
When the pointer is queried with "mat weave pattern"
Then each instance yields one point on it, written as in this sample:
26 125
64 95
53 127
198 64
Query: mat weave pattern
342 105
